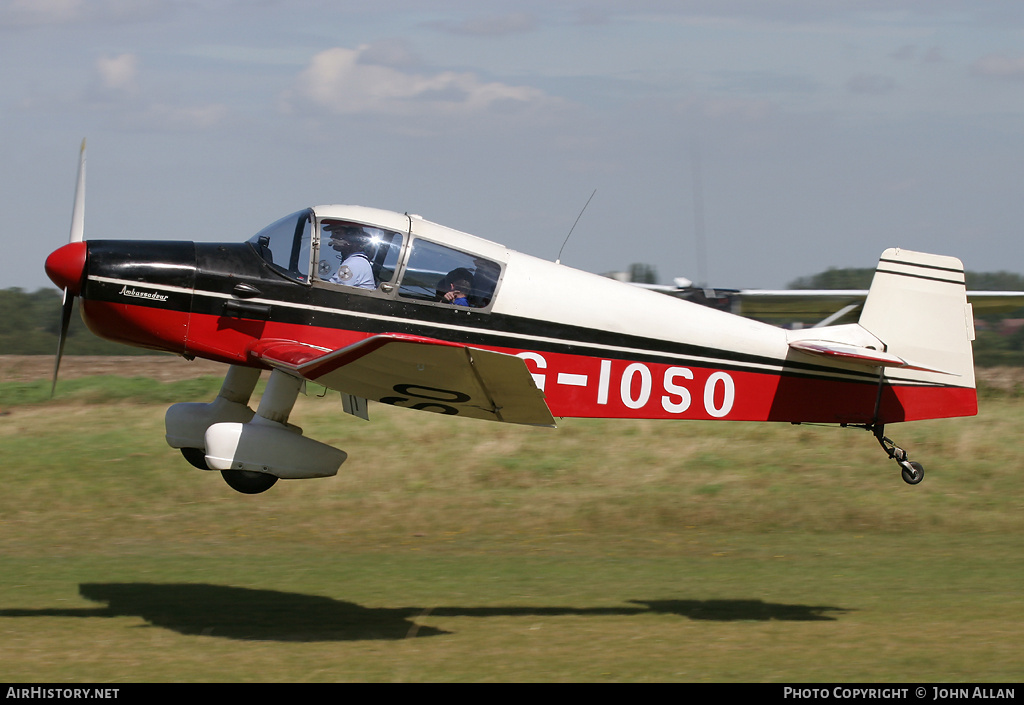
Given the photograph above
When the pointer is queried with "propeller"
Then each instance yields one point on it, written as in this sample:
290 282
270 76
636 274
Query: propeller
66 265
78 211
67 306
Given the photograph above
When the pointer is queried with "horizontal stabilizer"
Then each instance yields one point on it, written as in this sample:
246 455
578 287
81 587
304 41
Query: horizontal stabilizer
858 355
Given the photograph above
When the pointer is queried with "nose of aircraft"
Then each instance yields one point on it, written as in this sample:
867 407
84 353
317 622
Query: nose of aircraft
66 265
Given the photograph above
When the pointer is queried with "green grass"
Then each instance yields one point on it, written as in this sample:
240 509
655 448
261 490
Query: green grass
454 550
103 389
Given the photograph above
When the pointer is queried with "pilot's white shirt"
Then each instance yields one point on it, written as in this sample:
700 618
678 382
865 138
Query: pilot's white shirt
355 271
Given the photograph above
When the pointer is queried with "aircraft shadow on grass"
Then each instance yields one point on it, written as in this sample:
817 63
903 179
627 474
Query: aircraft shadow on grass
270 615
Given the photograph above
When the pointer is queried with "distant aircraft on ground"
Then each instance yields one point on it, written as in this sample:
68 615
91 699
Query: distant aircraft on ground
392 308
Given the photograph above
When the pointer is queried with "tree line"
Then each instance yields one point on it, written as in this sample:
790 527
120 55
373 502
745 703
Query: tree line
860 278
996 343
30 325
30 322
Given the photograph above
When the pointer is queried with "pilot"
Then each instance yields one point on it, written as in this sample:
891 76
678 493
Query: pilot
352 243
455 287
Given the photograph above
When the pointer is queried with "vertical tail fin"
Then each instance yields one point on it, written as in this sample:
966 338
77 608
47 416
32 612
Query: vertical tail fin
917 306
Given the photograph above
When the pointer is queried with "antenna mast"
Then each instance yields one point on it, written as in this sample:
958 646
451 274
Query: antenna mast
559 260
698 216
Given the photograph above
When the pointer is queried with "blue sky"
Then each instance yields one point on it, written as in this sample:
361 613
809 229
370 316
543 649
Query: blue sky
823 131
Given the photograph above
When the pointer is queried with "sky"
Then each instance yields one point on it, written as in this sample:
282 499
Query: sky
739 143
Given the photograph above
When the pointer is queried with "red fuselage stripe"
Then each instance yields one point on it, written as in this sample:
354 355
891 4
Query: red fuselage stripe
575 385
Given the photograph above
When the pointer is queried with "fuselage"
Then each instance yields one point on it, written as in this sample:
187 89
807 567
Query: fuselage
595 346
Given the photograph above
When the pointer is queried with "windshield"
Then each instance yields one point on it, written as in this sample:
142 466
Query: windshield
285 245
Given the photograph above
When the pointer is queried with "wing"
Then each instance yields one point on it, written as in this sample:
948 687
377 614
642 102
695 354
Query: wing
985 302
829 306
419 373
820 306
835 305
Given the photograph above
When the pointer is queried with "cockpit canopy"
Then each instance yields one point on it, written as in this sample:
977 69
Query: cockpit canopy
435 272
286 244
381 248
370 258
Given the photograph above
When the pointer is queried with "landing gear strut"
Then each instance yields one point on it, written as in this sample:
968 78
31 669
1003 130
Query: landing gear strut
911 471
251 455
250 449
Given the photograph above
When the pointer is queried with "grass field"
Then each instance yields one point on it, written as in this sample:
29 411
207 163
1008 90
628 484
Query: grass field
455 550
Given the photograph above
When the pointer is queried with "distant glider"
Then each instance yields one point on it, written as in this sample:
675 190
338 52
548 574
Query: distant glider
824 307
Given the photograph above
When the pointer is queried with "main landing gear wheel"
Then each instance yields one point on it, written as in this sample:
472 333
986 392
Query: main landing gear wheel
196 457
244 481
247 481
912 472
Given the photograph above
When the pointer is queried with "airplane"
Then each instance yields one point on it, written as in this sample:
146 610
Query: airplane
449 323
816 307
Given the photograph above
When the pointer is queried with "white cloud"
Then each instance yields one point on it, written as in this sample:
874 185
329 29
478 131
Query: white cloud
999 66
118 73
119 92
491 26
339 80
397 53
45 13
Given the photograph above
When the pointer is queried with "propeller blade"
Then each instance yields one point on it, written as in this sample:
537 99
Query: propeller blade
65 320
78 212
69 273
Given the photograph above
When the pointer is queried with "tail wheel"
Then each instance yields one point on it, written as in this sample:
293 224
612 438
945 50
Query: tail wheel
912 472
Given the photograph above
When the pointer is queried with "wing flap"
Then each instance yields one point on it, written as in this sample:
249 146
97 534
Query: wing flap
511 387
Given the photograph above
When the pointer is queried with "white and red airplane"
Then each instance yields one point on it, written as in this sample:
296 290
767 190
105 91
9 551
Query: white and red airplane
393 308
